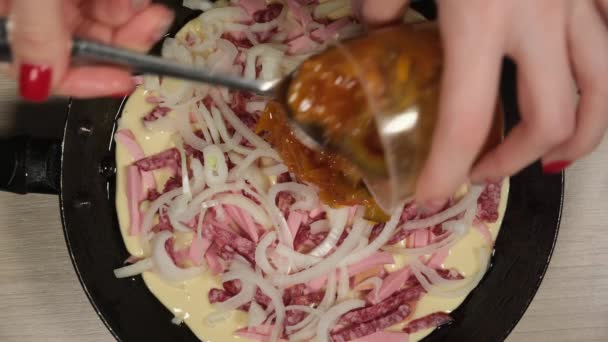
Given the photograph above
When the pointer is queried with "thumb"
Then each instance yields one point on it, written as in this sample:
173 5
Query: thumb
41 46
376 13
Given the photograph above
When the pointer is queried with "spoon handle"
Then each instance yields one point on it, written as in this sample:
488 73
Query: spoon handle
91 52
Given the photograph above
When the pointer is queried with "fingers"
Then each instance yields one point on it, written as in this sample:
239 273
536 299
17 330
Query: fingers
144 29
546 92
40 43
114 13
473 56
85 82
374 14
588 51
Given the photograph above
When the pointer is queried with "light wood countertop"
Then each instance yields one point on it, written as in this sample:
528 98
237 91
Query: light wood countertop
43 301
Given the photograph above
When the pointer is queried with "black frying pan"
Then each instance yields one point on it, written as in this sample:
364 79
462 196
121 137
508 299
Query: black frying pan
83 171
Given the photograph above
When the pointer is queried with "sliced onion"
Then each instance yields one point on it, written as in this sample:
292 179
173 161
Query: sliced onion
164 264
261 257
297 260
309 324
206 116
276 216
275 170
255 176
249 160
198 175
244 203
256 315
468 201
177 207
329 319
240 127
337 221
329 263
194 205
343 283
320 226
202 5
223 132
223 14
378 242
179 144
247 275
306 196
216 168
255 106
437 286
243 297
134 269
155 206
375 282
151 82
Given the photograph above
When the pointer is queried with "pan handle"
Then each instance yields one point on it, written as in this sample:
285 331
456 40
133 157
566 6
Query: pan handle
30 165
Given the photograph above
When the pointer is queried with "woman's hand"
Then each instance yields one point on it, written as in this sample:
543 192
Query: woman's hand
40 34
560 47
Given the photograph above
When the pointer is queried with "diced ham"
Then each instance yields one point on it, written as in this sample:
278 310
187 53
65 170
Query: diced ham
330 31
438 258
376 259
371 326
391 284
299 12
294 221
433 320
420 238
488 202
213 260
134 195
127 139
156 113
368 313
197 250
243 220
300 45
261 333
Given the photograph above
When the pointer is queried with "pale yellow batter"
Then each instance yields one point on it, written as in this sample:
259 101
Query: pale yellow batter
188 301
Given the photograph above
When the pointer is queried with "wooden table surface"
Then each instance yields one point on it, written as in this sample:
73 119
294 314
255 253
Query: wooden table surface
43 301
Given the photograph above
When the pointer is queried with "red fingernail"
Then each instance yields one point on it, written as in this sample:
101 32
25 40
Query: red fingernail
35 82
556 166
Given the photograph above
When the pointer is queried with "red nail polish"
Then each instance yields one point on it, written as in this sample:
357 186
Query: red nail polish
35 82
556 166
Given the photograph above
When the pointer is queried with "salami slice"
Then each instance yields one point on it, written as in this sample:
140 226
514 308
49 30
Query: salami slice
433 320
370 327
